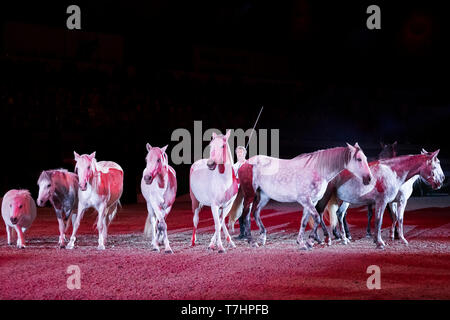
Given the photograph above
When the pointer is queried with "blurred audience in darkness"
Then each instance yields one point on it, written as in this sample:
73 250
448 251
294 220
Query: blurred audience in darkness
49 111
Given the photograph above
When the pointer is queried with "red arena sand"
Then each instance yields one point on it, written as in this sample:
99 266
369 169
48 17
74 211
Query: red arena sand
129 269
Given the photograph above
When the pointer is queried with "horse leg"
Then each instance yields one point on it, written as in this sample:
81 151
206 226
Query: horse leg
304 221
150 226
196 207
75 226
224 226
369 219
62 227
247 224
263 200
20 237
347 231
102 211
379 210
216 215
393 212
400 214
341 216
8 235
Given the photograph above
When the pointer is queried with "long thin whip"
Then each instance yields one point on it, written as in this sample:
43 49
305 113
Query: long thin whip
253 129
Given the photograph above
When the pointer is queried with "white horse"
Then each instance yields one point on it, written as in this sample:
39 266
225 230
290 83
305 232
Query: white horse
100 187
159 188
303 179
213 183
393 180
18 212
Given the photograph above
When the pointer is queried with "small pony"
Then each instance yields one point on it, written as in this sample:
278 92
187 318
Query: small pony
18 212
60 187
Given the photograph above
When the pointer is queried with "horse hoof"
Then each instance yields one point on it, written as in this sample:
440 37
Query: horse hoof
380 247
211 248
101 247
20 246
168 251
62 246
368 235
70 246
405 242
255 245
155 249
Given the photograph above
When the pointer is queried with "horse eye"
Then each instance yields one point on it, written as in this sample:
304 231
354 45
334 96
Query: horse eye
159 160
89 167
359 159
49 186
223 147
20 207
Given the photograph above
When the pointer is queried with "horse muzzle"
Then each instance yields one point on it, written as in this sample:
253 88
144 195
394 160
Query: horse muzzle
148 179
211 164
14 220
367 179
83 188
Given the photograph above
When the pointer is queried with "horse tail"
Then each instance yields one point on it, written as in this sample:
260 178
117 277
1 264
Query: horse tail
112 213
236 209
331 208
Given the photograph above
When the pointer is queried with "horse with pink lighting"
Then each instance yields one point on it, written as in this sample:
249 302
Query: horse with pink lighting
303 179
18 213
159 188
213 183
393 179
100 187
60 188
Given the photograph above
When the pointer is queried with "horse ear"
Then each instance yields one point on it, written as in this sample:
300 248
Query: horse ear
350 146
77 156
92 155
357 145
395 143
434 154
214 135
381 145
423 151
163 149
148 146
227 135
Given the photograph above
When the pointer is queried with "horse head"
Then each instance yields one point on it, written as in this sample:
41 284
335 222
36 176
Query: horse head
219 153
431 171
357 163
388 150
85 169
156 160
19 206
45 187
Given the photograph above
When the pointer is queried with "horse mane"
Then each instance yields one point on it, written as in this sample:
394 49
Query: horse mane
229 154
23 192
327 159
46 174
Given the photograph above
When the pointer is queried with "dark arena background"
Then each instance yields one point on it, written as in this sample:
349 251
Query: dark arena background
137 71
